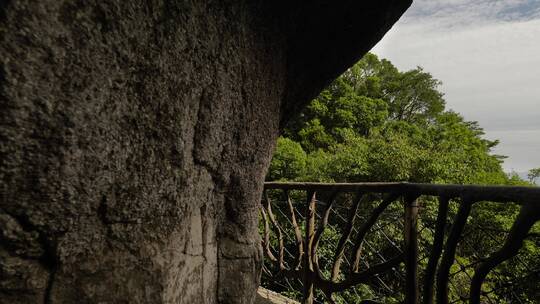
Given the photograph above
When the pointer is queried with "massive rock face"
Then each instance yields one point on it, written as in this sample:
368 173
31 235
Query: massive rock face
135 136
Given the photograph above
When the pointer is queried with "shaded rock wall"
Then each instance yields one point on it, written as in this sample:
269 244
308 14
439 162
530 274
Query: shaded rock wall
135 136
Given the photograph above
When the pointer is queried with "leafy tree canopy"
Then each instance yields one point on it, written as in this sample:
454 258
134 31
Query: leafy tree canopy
533 174
376 123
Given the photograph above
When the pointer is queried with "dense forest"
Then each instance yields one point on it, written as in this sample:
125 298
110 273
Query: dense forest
376 123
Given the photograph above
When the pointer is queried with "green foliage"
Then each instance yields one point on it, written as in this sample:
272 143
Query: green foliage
533 174
375 123
289 161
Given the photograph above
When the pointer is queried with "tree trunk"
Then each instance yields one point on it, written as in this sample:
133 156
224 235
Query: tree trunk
135 136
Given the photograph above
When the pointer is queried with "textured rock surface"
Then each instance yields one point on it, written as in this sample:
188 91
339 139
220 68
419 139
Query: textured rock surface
135 135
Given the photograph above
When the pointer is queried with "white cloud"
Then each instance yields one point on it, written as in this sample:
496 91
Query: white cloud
487 54
456 13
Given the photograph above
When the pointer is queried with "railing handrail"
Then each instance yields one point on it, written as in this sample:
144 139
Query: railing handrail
494 193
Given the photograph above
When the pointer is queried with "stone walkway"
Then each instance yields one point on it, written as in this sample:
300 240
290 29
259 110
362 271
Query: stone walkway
265 296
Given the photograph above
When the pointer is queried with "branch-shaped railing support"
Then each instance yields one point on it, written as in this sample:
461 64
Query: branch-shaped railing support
266 236
308 258
336 267
318 234
527 217
450 250
275 223
366 226
436 250
297 234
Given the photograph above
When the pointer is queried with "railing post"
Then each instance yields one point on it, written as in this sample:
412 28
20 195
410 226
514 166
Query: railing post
411 250
308 257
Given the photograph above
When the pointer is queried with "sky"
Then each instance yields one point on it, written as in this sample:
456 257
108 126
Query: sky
487 55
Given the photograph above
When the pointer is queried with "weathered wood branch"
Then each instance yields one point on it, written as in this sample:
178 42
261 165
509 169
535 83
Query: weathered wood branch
320 230
266 231
450 250
279 231
436 250
340 250
297 233
526 218
361 277
366 226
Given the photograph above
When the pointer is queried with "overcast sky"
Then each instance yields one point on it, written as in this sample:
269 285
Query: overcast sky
487 54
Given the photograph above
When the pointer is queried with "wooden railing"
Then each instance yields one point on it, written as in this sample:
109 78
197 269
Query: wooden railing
308 224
